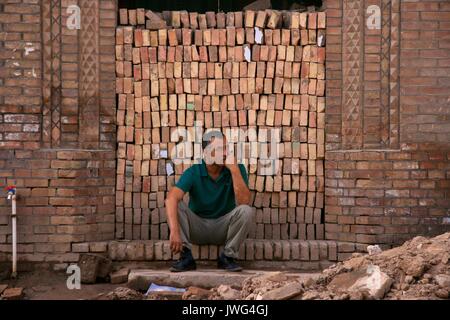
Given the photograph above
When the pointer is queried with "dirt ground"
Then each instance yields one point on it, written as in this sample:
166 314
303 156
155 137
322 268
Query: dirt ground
50 285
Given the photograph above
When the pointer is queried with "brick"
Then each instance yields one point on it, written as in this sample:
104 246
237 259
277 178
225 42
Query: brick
260 19
286 250
98 247
249 19
321 20
268 251
314 250
332 251
304 251
80 247
303 20
120 276
274 19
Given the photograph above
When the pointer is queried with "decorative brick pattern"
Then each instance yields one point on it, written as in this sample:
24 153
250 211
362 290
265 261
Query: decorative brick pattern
370 82
55 86
65 195
386 195
394 81
384 101
70 70
333 115
375 75
352 46
78 78
47 74
107 81
89 75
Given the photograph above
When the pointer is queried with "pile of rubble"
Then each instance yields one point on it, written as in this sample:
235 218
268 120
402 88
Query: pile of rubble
122 293
419 269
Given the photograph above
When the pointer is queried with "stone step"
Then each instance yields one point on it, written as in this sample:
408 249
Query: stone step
141 279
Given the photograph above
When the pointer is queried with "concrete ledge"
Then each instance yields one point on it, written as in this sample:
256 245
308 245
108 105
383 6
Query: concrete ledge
206 278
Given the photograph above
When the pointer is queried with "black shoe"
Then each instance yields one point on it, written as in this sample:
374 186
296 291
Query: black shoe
185 263
227 263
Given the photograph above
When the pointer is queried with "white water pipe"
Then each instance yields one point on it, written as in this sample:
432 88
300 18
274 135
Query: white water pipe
12 196
14 238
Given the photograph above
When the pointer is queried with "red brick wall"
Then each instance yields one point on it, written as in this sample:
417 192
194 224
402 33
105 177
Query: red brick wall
20 75
387 173
386 197
64 197
333 74
57 136
425 72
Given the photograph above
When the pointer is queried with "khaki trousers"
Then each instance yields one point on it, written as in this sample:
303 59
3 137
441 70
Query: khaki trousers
230 229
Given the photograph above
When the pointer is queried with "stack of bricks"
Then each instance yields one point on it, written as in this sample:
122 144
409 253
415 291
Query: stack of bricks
246 70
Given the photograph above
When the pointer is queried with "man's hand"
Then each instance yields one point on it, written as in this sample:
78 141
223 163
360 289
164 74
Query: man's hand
175 195
241 191
230 162
232 166
175 242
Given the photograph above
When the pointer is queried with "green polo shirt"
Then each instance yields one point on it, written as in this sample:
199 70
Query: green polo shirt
209 198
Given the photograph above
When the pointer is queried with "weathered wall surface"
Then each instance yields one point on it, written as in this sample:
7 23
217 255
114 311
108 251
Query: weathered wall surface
387 123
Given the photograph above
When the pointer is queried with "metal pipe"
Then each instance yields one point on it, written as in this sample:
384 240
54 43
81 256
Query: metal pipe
14 237
12 196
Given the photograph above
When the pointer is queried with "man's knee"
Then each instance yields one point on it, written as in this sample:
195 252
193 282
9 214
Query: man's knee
245 212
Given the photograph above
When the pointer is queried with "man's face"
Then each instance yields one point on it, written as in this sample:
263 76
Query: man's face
216 152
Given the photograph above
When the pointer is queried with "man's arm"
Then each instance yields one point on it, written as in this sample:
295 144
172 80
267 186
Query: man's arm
241 191
174 196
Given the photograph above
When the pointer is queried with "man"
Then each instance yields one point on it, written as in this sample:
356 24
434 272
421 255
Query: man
213 216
